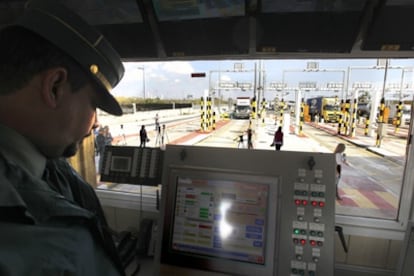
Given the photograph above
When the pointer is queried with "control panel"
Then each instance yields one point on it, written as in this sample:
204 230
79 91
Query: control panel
309 215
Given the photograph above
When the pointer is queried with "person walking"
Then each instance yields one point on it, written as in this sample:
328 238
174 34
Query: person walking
164 136
103 139
340 159
143 136
278 139
108 136
249 138
51 220
157 122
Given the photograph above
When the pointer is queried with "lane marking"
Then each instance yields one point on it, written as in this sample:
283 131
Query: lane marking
388 197
359 199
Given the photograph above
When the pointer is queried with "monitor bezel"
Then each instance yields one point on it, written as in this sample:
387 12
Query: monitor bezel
214 264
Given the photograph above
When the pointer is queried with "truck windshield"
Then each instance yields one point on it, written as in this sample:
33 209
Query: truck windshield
332 107
243 108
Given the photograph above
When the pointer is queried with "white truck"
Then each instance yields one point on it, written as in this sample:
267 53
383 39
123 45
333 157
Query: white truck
242 108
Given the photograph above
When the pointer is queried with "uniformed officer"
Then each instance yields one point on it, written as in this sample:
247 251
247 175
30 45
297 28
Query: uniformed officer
55 70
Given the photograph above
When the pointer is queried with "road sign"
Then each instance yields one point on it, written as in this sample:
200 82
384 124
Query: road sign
198 75
242 85
363 85
312 65
307 85
227 85
278 85
238 67
334 85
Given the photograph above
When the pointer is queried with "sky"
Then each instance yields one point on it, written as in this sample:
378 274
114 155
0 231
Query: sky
172 79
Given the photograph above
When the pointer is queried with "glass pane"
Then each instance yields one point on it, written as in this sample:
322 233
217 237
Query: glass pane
348 102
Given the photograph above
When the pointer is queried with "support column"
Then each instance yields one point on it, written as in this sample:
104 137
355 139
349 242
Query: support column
399 115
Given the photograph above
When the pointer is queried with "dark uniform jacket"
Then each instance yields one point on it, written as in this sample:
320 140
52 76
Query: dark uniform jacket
49 229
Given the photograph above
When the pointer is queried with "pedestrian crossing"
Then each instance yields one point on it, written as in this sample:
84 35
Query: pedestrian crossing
366 200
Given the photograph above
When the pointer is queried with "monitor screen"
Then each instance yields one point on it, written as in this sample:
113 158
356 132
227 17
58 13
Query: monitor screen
221 221
132 165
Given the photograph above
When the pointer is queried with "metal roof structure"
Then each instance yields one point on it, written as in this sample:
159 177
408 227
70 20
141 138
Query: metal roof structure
158 30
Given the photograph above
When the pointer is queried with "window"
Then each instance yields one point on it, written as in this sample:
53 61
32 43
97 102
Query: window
376 182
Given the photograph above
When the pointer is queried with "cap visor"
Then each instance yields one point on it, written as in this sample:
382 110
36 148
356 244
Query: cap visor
108 103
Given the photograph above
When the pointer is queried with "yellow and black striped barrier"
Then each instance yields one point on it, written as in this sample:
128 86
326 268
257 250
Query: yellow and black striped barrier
341 117
339 123
354 118
214 120
282 109
263 111
209 123
381 123
302 117
254 108
366 127
202 115
399 115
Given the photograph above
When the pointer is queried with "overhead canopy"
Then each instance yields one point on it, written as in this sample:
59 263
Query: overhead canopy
144 30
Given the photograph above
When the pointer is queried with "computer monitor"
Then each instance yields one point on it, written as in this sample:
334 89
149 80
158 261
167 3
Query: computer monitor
132 165
246 212
221 221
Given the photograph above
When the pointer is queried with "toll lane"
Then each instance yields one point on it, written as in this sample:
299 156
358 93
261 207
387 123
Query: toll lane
371 184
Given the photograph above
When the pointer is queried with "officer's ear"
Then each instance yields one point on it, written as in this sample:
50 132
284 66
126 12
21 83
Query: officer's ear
54 82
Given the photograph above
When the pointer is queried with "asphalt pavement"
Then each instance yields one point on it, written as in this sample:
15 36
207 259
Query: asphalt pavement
128 134
364 193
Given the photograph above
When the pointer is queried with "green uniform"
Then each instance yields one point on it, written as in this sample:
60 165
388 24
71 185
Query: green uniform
49 229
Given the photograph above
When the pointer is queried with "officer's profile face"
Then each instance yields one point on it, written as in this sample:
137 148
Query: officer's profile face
61 117
81 118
